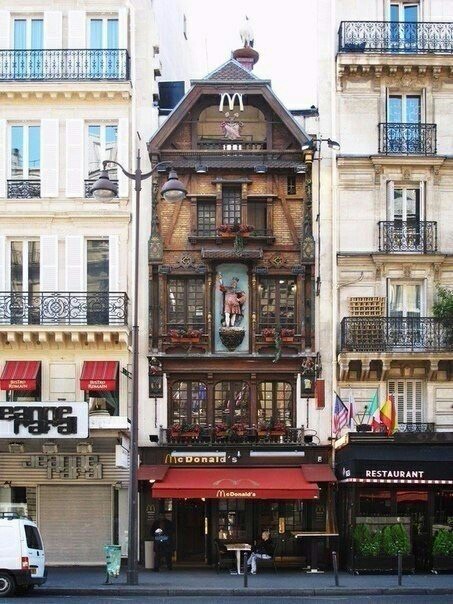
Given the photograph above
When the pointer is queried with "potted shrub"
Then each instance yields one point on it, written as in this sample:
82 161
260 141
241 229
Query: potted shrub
443 310
443 551
377 551
287 335
268 333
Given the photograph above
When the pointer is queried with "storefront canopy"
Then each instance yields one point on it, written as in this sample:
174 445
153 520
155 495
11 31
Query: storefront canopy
20 375
99 375
235 483
320 472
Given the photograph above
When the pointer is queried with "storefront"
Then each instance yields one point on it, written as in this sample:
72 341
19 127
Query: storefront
232 495
405 480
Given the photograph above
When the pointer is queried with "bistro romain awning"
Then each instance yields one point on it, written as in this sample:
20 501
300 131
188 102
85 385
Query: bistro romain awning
20 375
99 375
235 483
320 472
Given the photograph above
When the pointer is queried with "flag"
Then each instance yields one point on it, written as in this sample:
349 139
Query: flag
351 409
374 412
388 414
340 414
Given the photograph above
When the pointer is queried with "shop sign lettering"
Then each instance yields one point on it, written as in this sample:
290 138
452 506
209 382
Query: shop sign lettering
53 420
222 494
394 474
197 459
71 467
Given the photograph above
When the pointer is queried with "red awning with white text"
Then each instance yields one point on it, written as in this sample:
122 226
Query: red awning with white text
99 375
20 375
235 483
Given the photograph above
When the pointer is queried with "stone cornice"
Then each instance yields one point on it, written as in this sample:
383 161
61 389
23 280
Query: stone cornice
82 91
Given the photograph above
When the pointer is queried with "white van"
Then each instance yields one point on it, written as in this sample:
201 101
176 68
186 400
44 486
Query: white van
22 559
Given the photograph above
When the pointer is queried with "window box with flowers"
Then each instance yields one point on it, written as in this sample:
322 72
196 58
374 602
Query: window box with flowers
183 431
268 333
238 429
221 431
185 336
271 428
234 230
287 335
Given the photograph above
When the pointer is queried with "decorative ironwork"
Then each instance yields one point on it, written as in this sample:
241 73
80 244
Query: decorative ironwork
416 427
407 139
208 435
63 308
89 184
65 64
23 189
395 37
398 236
380 334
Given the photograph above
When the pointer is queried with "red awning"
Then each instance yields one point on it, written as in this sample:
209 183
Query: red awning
318 472
20 375
99 375
235 483
152 472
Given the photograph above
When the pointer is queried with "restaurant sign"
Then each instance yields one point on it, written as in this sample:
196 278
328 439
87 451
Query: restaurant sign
222 494
50 420
394 471
199 459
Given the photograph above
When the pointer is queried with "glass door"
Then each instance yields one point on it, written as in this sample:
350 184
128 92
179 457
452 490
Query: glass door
103 38
98 282
404 117
403 26
405 310
406 214
25 282
28 39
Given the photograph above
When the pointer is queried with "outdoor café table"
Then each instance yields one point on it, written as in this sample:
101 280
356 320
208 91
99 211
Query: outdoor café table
238 548
313 536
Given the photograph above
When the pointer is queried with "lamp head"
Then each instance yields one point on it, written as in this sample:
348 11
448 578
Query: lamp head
104 189
173 189
333 144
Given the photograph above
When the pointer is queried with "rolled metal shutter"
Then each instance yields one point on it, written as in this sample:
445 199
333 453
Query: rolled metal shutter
75 522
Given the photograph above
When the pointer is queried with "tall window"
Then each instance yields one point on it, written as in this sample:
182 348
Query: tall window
277 302
405 300
231 402
232 519
27 35
403 26
186 303
25 154
408 396
404 108
231 205
103 36
188 403
25 285
275 402
97 281
291 183
102 145
206 218
257 216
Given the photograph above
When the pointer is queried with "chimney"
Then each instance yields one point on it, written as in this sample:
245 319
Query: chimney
246 56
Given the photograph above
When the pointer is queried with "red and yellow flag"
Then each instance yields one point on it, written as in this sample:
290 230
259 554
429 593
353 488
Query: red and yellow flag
388 414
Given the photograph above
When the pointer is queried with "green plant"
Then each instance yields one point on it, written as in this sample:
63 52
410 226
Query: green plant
395 539
443 543
443 307
366 542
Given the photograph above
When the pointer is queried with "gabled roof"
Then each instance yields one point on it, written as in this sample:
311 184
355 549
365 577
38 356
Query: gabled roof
231 71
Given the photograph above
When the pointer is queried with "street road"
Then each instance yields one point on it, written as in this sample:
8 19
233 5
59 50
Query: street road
43 599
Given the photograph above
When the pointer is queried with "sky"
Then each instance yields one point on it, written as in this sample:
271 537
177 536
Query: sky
285 37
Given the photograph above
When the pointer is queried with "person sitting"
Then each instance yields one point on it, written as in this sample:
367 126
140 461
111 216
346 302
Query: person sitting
263 548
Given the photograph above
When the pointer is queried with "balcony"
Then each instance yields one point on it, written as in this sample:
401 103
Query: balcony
212 234
90 183
64 64
416 427
407 139
23 189
390 334
395 37
407 237
63 308
228 145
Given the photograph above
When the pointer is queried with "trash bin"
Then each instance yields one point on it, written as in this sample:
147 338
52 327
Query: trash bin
112 561
149 554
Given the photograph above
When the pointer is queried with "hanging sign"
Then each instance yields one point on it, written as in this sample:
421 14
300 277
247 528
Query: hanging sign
49 420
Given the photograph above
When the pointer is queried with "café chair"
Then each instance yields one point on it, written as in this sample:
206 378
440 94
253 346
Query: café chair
269 562
225 559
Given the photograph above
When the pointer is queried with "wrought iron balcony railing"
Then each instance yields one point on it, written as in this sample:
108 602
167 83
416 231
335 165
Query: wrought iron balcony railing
399 236
407 139
90 182
387 334
64 64
395 37
23 189
254 435
63 308
416 427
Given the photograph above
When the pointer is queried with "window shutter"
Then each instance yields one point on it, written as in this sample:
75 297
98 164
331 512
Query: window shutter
396 387
5 29
122 27
422 200
49 263
390 196
75 158
53 29
49 157
74 262
418 402
3 156
410 415
77 29
114 257
2 264
123 155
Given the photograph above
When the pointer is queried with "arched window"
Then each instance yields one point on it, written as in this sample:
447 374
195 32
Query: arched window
231 402
188 403
275 402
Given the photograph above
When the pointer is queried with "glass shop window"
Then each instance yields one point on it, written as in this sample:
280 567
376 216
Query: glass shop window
375 502
189 403
232 519
231 402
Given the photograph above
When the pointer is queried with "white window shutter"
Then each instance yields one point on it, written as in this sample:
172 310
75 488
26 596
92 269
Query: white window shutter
422 200
123 155
53 29
3 156
77 29
49 157
390 197
2 264
74 264
419 415
410 416
49 263
75 162
114 260
5 29
122 27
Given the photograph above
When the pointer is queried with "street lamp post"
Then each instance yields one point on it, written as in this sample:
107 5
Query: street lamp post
105 190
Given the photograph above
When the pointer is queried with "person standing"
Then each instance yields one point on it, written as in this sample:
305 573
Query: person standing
162 534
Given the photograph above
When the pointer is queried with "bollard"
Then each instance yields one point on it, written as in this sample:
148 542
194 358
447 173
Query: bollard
400 568
335 568
245 570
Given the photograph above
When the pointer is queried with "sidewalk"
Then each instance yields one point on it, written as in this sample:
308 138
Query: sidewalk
190 582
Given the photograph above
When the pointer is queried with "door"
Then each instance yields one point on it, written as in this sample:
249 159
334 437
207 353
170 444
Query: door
412 503
403 26
103 39
35 550
405 311
28 38
403 123
97 254
25 282
190 539
405 211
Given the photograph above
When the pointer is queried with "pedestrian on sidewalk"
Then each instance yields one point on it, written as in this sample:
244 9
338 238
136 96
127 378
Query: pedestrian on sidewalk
162 534
263 548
